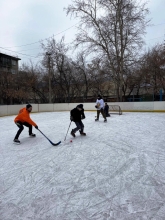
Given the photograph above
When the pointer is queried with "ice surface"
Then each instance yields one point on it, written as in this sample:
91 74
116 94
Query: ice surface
116 172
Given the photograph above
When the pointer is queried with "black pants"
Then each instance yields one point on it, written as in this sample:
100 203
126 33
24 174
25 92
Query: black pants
102 112
80 126
106 113
21 127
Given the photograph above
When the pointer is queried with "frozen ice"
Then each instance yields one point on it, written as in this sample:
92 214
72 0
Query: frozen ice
116 172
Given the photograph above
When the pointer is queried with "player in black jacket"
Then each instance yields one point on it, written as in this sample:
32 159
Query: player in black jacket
76 115
106 110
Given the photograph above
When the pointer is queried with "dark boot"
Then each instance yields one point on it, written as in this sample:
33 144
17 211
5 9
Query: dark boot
105 120
73 134
96 119
16 141
82 133
32 135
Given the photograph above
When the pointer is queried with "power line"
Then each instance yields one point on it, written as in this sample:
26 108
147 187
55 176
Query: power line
158 24
5 48
39 41
30 49
18 52
41 55
44 38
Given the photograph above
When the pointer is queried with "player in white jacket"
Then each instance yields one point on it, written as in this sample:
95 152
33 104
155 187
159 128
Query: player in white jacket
100 108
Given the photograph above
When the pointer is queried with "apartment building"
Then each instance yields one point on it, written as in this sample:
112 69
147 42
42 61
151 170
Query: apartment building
8 63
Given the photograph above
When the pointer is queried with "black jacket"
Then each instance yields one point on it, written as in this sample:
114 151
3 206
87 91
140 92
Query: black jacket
77 115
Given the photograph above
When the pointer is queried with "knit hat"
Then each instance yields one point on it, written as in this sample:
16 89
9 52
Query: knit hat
28 106
99 96
80 106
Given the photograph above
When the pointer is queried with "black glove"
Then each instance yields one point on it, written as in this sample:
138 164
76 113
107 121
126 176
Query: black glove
71 118
36 127
96 106
82 117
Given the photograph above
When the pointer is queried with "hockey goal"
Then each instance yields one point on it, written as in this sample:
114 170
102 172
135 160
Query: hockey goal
115 109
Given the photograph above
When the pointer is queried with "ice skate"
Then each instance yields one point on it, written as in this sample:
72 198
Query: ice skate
32 135
16 141
73 134
82 133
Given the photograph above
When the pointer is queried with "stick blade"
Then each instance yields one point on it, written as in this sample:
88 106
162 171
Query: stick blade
56 144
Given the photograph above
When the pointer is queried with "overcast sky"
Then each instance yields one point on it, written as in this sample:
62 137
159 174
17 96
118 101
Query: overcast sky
24 22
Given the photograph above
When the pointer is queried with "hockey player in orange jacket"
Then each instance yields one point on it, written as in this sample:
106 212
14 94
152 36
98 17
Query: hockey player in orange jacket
23 119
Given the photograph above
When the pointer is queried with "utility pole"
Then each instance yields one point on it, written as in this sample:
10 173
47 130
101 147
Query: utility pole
50 88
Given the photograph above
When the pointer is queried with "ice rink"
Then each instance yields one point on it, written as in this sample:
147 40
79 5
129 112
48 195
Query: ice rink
116 172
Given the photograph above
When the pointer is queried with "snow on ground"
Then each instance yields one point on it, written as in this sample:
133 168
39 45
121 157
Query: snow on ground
116 172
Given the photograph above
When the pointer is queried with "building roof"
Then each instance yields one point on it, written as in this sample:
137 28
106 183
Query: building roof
15 58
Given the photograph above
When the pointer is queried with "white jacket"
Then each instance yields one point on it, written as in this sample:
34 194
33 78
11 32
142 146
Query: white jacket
100 103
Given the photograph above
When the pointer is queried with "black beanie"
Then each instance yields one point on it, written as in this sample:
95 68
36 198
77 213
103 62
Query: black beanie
28 106
80 106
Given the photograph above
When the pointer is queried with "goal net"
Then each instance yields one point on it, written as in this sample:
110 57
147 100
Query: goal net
115 109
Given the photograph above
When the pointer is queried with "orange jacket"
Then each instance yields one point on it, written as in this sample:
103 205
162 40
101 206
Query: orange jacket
24 116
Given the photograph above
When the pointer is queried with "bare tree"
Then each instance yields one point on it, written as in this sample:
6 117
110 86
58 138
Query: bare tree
63 74
100 81
153 68
111 30
84 77
8 90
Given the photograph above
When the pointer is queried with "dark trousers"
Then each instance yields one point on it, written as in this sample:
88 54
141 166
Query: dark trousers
102 112
21 127
106 113
79 126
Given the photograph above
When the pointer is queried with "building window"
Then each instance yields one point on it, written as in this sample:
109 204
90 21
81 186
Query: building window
6 61
14 62
13 71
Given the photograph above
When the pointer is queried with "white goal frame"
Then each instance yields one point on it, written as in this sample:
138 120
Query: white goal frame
115 109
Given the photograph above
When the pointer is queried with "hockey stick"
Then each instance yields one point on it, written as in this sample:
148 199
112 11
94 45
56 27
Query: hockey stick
54 144
67 131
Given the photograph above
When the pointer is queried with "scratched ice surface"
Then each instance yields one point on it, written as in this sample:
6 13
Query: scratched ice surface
116 172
